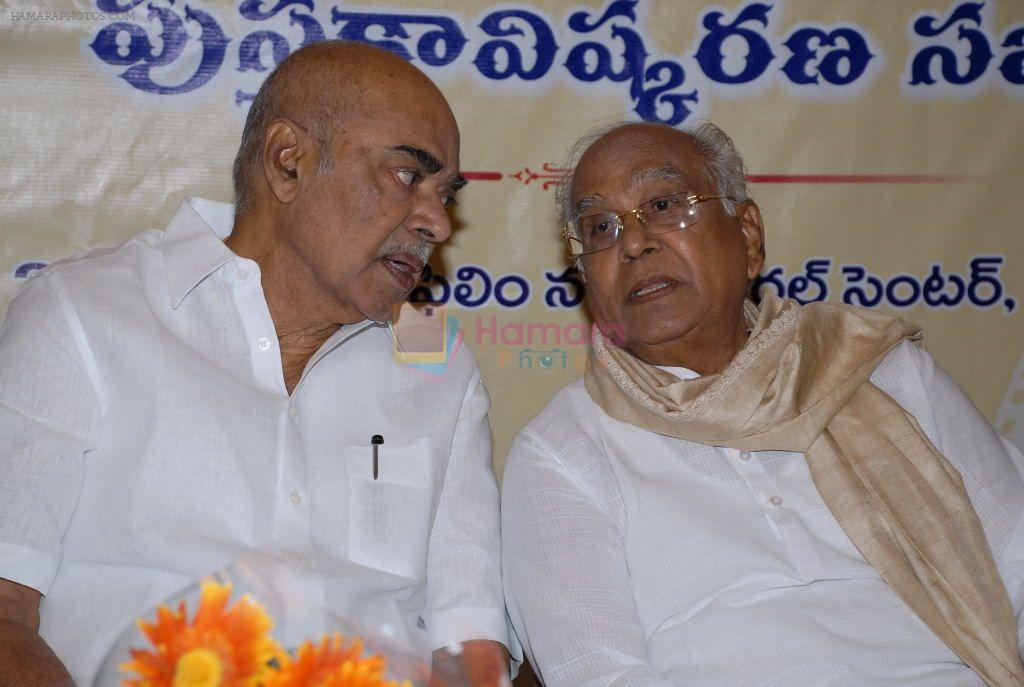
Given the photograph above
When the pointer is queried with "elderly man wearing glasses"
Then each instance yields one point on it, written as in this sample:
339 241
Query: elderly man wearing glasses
733 495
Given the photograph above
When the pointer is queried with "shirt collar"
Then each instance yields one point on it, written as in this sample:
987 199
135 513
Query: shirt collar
682 372
193 249
193 244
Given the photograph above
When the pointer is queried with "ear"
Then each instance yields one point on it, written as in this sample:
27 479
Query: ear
284 158
752 227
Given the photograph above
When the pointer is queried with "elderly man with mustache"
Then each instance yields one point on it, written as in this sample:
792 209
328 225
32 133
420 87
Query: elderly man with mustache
733 495
227 389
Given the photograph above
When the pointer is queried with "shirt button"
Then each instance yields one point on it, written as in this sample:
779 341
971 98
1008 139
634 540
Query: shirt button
295 498
242 274
745 455
293 411
775 501
303 561
263 344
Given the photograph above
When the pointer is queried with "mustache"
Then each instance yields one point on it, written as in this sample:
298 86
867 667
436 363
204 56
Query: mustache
422 251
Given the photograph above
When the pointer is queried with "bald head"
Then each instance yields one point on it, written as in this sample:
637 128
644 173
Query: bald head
318 88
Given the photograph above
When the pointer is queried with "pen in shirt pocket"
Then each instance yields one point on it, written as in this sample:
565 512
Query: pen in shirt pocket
375 441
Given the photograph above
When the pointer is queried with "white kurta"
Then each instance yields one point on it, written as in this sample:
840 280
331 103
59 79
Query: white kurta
147 439
633 558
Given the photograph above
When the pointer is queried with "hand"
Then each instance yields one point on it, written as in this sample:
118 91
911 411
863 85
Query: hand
476 663
25 659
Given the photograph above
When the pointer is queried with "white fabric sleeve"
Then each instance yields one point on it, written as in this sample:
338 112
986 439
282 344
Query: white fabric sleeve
464 597
566 578
49 416
991 466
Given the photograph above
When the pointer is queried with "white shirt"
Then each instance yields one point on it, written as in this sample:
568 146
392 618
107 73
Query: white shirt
633 558
147 439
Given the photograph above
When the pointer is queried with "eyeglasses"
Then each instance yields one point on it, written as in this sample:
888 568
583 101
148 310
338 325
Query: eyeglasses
600 231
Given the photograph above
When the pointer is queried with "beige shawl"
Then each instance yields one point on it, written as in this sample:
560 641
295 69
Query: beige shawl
801 384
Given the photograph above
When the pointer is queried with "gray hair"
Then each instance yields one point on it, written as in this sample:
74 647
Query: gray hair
723 164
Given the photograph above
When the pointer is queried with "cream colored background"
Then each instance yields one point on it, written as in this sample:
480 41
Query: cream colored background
89 160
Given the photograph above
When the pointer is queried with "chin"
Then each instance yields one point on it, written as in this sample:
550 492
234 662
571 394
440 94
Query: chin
382 308
655 333
381 315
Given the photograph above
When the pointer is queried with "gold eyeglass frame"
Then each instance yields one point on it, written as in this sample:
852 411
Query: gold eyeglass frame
569 230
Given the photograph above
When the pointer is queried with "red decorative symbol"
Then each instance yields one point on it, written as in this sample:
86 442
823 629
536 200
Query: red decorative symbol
551 175
483 176
861 178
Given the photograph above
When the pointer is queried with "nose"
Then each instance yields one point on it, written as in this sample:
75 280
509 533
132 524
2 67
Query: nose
634 241
429 217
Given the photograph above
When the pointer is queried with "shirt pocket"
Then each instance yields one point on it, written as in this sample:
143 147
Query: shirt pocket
390 517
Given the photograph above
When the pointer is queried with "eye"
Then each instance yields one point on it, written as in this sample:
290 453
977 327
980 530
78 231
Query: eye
449 201
602 225
408 177
665 204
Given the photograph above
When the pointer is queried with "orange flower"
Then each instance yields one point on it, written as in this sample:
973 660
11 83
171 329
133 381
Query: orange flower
223 647
332 664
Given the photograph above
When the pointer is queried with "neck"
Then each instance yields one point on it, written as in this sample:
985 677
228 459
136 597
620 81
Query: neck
303 317
705 352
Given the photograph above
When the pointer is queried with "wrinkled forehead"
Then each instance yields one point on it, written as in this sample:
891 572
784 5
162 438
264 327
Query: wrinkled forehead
416 116
630 159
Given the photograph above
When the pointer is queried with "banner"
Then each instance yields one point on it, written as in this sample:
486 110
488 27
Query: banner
884 142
